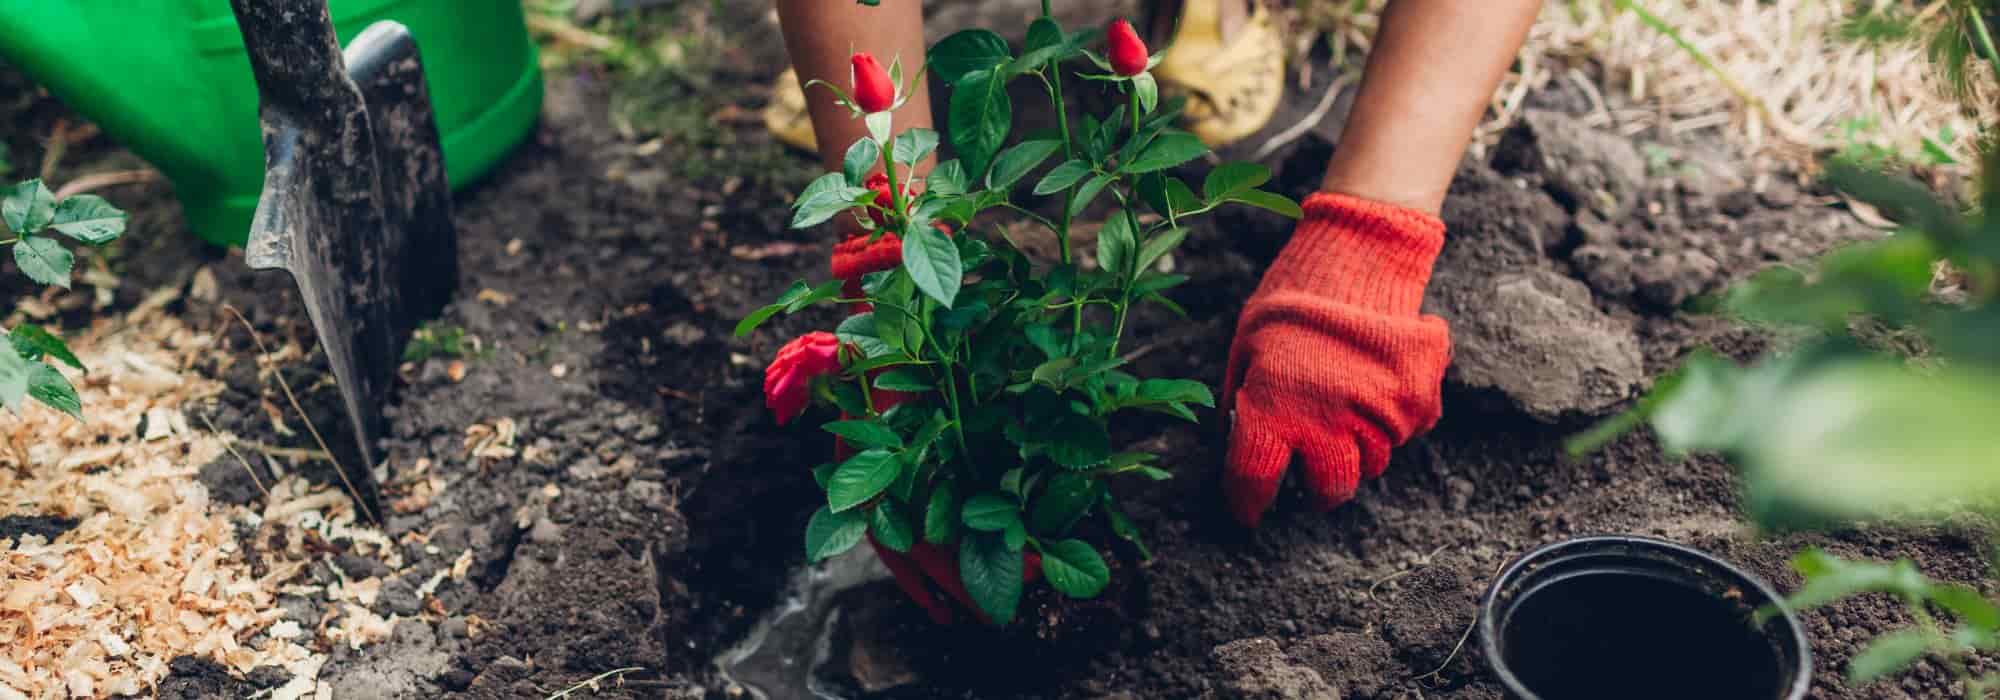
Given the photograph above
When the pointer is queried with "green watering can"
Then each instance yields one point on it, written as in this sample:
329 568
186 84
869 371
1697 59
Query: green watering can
170 80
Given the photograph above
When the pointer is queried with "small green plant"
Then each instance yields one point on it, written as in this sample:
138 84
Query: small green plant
34 221
438 340
977 394
1883 409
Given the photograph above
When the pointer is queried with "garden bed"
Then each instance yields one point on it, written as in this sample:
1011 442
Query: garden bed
626 502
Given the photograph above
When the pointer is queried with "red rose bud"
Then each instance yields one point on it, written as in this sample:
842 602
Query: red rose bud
880 184
788 381
1127 53
872 90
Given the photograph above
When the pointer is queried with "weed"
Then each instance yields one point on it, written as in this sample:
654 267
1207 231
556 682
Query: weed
35 219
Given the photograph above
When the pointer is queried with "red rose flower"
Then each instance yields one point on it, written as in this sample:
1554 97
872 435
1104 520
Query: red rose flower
1127 52
788 381
880 184
873 92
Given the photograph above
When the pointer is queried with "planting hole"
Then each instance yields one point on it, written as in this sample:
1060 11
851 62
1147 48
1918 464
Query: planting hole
1600 634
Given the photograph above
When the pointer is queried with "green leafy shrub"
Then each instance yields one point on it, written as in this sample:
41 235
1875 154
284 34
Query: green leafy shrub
34 220
1013 363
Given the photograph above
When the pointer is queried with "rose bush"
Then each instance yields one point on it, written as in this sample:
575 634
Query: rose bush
976 384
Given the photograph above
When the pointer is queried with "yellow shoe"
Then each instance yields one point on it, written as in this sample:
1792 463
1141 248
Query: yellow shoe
787 117
1234 87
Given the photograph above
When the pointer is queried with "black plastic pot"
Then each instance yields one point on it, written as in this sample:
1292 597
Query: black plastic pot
1637 618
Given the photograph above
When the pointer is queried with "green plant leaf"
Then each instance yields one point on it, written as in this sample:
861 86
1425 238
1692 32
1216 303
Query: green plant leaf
865 433
88 218
1176 391
859 330
1075 568
1233 178
861 477
1968 604
989 512
947 179
44 260
15 372
826 291
1088 192
1888 654
1063 500
941 518
1122 526
914 144
1830 578
1269 202
757 318
933 263
908 380
992 575
1157 247
1014 164
891 527
1170 149
861 159
47 385
1149 91
829 533
33 342
1115 245
955 58
879 125
823 198
980 116
1077 441
1062 177
28 207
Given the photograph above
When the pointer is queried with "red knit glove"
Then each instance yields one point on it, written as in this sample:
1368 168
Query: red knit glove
1332 361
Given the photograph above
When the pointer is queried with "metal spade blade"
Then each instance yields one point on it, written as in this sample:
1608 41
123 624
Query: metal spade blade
355 208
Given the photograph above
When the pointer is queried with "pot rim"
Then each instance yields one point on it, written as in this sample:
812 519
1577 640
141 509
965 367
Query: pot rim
1675 554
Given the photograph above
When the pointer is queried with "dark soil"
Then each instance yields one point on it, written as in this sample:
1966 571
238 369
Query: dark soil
652 508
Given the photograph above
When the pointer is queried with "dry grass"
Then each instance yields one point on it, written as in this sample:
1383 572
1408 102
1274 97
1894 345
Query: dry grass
1783 83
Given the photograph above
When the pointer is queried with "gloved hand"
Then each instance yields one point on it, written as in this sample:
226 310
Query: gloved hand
1332 362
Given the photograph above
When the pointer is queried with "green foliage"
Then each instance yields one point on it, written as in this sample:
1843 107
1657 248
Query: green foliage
437 340
1003 447
33 218
1952 621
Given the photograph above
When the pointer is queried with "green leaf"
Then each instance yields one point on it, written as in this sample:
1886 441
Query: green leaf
1088 192
1888 654
955 58
1051 372
947 179
1062 502
1077 441
47 385
992 575
830 533
933 263
1062 177
941 518
909 380
826 291
33 342
989 512
865 433
44 260
1966 603
1010 482
859 330
861 159
823 198
88 218
980 116
861 477
1149 91
879 125
1014 164
1176 391
913 145
1122 525
1269 202
28 207
1829 578
757 318
1170 149
1115 244
1016 536
15 372
1075 568
1158 246
890 526
824 473
1233 178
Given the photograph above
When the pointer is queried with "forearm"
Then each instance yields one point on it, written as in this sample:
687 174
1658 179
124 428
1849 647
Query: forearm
820 35
1430 76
